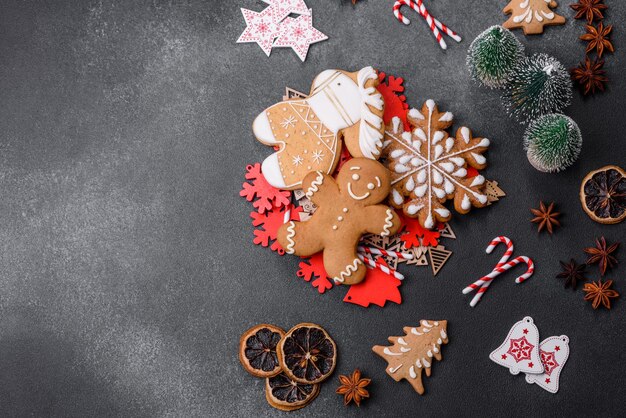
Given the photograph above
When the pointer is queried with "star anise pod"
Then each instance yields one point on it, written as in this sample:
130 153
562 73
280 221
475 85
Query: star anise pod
600 293
602 255
545 217
598 38
353 388
572 273
589 9
590 75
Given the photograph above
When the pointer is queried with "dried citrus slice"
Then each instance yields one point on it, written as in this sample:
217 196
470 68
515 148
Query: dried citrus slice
257 350
288 395
603 194
307 354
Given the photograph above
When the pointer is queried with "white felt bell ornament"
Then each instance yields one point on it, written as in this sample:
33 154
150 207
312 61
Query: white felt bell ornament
520 350
554 352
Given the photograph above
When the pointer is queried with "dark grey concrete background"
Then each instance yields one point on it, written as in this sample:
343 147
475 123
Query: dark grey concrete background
127 272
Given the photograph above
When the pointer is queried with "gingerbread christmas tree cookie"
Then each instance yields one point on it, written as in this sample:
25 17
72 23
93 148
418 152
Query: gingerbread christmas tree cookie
429 167
414 352
532 15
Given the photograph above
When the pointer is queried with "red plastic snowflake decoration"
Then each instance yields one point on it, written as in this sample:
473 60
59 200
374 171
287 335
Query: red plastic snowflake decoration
520 349
413 234
377 288
549 361
395 102
313 267
267 196
269 222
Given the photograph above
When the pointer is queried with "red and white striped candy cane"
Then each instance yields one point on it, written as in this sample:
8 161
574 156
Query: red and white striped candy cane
387 253
432 22
503 265
375 264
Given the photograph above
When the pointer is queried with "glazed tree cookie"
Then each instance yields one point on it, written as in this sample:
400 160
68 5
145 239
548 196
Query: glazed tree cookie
346 209
532 15
414 352
309 131
429 167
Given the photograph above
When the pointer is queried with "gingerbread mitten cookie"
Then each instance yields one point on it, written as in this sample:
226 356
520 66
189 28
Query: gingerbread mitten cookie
532 15
309 131
347 208
429 167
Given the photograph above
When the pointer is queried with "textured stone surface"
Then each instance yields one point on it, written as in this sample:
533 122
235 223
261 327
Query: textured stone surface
127 272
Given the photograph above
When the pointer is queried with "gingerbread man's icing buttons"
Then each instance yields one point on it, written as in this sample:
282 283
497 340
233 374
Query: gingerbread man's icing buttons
338 101
366 216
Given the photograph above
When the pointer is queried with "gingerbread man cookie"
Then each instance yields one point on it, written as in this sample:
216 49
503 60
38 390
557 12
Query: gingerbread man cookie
346 209
532 15
309 131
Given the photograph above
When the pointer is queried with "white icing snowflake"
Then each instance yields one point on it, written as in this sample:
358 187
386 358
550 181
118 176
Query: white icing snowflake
318 156
297 160
289 122
429 167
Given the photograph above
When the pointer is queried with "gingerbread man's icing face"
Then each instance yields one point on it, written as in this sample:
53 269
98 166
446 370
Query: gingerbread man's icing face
366 182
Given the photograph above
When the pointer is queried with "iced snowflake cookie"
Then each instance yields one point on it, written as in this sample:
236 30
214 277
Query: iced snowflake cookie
532 15
309 131
429 167
347 208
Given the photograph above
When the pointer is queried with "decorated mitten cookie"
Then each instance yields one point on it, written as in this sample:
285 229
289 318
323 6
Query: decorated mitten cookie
309 131
429 167
554 352
346 209
520 350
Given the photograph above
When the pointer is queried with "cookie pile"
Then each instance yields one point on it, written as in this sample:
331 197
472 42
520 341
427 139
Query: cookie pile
293 363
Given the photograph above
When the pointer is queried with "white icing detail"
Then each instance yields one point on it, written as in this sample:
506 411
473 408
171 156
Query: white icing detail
477 181
263 130
426 324
465 133
297 160
549 15
448 167
418 363
428 223
538 17
412 372
437 177
406 136
420 191
443 334
355 177
355 168
438 151
436 323
345 210
397 197
396 124
318 156
390 353
396 153
290 234
448 186
413 209
350 268
446 117
425 362
404 349
394 369
438 136
444 213
355 197
461 172
416 162
399 168
457 160
429 353
314 187
439 341
449 143
479 158
466 204
421 176
430 104
378 183
416 145
419 132
426 329
440 193
388 223
435 349
484 142
272 172
401 341
414 331
404 159
481 198
416 114
410 184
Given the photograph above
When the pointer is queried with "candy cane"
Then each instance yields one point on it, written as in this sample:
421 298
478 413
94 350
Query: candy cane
387 253
432 22
374 264
503 265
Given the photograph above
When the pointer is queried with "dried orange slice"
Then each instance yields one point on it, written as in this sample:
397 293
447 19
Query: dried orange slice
257 350
286 394
603 194
307 354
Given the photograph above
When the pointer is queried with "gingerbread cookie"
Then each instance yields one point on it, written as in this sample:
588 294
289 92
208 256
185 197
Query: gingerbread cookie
309 131
532 15
346 209
430 167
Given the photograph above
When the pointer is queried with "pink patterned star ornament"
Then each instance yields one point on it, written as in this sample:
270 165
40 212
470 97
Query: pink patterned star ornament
260 28
299 34
283 8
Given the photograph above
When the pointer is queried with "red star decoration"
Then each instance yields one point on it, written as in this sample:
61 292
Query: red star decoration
530 364
525 331
503 356
557 348
299 34
549 361
520 349
547 380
